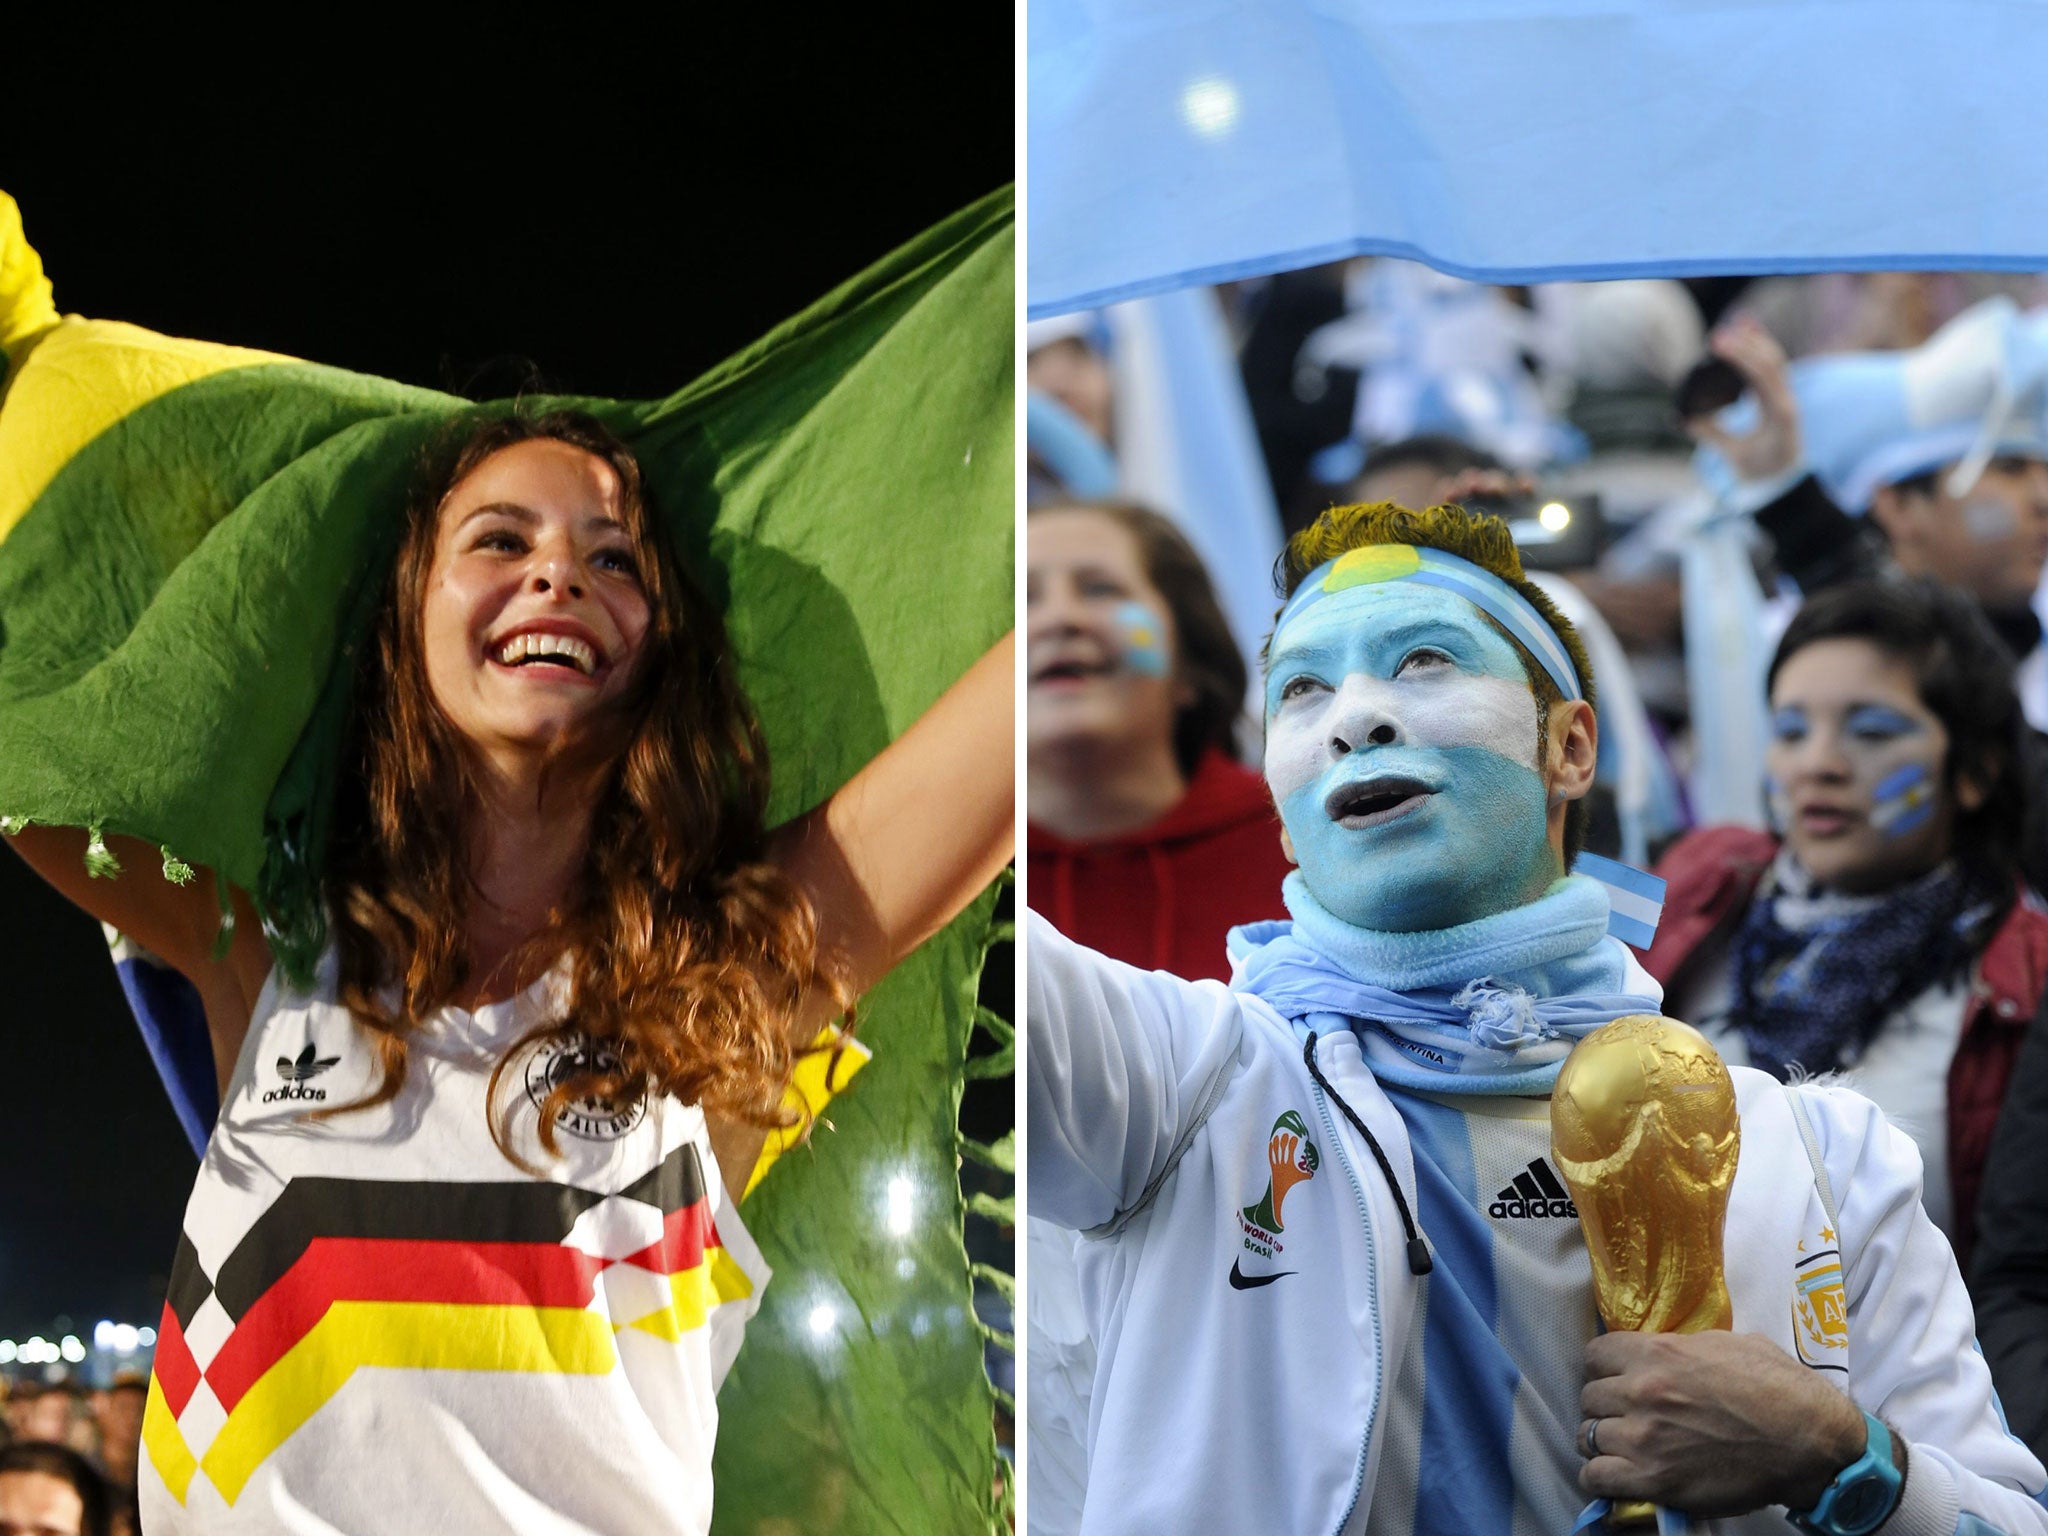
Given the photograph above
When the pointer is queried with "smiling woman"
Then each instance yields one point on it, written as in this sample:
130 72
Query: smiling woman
545 660
563 942
515 978
1147 837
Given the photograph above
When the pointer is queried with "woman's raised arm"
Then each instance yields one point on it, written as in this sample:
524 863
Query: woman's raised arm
910 839
178 923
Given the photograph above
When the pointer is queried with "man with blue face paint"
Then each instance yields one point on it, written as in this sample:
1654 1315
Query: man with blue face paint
1336 1282
1401 726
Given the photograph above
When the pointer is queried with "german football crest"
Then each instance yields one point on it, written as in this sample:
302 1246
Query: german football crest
562 1059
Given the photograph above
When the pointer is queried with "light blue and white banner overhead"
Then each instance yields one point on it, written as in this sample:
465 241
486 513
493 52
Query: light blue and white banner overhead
1175 142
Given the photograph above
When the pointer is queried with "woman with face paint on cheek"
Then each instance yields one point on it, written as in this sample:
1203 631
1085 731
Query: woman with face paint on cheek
1878 931
1147 839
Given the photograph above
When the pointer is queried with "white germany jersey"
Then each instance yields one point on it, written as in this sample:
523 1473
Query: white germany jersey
377 1323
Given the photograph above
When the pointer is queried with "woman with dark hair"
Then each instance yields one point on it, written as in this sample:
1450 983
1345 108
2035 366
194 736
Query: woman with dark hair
1882 931
494 1152
1147 838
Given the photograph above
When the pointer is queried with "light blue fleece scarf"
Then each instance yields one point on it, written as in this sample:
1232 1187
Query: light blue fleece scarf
1492 1006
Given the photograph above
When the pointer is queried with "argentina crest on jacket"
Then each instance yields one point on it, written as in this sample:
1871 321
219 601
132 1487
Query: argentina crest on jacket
1820 1305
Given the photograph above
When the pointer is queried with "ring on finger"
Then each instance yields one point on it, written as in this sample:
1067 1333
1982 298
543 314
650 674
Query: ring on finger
1591 1435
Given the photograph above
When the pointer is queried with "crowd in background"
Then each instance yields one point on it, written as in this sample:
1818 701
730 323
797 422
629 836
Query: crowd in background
67 1456
1801 524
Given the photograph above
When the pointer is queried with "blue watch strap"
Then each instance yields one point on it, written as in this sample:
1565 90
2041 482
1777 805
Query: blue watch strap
1864 1493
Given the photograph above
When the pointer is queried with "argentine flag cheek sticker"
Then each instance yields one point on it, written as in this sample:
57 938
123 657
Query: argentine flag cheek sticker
1903 800
1141 637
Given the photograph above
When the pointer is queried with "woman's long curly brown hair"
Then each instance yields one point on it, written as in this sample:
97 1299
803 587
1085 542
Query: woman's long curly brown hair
688 954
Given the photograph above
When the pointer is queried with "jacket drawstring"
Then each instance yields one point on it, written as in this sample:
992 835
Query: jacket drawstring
1419 1261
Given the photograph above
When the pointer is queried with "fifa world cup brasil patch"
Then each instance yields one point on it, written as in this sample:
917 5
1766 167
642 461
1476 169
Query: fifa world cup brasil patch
1291 1159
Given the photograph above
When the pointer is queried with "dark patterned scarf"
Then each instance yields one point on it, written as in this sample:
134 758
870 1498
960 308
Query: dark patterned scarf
1816 974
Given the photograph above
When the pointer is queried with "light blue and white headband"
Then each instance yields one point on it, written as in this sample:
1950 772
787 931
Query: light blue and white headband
1371 564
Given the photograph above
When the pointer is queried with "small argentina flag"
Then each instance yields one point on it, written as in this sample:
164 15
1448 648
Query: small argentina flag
1143 639
1902 800
1635 900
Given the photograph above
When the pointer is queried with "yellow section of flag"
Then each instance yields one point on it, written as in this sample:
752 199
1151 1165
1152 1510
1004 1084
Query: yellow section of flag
27 304
70 379
821 1071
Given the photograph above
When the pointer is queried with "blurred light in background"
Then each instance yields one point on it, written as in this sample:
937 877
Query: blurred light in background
1554 516
114 1347
121 1338
900 1206
1209 106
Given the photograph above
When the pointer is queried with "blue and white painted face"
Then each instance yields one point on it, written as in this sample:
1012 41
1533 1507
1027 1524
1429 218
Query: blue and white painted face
1857 767
1100 645
1402 748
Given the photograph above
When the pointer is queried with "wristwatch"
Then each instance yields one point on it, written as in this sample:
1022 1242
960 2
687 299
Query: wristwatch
1863 1494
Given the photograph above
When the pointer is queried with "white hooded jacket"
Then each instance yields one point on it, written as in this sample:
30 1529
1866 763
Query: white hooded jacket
1225 1407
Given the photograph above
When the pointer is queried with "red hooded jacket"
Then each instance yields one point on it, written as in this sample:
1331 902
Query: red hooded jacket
1163 897
1710 877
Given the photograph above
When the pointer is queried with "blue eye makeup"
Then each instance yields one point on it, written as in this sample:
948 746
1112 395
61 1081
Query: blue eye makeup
1788 724
1299 669
1423 657
1879 722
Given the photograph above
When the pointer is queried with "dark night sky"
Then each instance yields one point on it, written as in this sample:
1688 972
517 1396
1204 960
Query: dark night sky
616 207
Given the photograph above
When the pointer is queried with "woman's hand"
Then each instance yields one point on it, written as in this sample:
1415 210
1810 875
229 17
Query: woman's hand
1711 1423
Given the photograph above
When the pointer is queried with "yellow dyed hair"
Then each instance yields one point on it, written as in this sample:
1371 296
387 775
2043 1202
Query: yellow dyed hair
1476 536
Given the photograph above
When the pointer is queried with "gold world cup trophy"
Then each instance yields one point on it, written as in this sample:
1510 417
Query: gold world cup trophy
1644 1131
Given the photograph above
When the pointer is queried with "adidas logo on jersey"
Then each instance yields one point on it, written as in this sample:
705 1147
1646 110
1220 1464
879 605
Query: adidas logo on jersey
1535 1194
295 1072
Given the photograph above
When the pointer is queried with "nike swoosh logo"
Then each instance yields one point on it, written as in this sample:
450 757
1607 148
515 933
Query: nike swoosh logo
1240 1281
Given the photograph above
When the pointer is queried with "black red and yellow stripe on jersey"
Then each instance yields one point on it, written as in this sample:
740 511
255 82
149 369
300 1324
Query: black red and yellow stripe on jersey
339 1274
